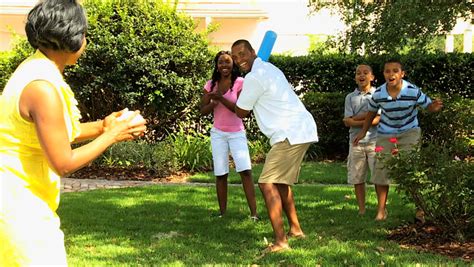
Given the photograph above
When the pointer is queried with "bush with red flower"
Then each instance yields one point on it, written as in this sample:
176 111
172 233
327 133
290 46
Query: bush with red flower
439 181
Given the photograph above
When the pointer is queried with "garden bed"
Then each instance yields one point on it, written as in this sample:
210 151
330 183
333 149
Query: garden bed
127 173
429 238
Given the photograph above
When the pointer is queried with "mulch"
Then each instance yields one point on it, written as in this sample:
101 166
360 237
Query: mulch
429 238
127 173
421 237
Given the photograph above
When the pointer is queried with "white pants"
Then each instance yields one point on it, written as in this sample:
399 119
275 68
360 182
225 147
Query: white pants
234 142
30 233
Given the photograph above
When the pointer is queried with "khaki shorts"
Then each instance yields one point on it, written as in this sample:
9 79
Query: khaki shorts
283 163
405 141
360 160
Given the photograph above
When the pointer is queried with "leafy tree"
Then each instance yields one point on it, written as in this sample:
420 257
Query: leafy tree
388 26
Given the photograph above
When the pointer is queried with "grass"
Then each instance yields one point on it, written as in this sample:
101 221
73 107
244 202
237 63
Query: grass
311 173
172 225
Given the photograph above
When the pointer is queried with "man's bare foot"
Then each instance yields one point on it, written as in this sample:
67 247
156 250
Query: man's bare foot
361 212
299 235
381 216
276 248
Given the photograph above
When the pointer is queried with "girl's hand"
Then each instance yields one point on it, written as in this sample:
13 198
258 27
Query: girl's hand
214 103
215 95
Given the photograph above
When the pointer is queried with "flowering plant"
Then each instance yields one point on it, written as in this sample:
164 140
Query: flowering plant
394 151
394 141
433 179
378 149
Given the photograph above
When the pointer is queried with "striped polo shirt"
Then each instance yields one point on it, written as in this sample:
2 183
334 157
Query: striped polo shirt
400 114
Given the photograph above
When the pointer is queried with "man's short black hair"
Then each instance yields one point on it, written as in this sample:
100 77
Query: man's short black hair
57 25
245 42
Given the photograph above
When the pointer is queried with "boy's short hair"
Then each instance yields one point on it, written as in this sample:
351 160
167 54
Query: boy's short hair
367 65
57 25
393 60
243 41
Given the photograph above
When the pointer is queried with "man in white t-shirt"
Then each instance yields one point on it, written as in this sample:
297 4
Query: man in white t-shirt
282 117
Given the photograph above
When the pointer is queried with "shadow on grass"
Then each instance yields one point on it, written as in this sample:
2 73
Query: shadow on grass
176 224
311 173
172 225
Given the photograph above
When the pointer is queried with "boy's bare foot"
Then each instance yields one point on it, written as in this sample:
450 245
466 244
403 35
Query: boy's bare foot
361 212
420 216
381 216
299 235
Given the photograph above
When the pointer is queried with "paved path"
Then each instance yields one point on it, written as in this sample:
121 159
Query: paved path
78 185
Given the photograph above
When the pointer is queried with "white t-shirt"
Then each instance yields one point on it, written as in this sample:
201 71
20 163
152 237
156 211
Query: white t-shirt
279 112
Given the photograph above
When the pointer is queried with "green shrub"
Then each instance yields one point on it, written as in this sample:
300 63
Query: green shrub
441 184
328 112
179 151
164 159
159 157
452 127
192 150
141 55
9 60
252 130
258 150
439 176
456 119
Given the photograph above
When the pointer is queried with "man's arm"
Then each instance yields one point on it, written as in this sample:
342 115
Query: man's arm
248 97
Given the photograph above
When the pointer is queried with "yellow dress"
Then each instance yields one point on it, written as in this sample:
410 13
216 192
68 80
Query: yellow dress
29 188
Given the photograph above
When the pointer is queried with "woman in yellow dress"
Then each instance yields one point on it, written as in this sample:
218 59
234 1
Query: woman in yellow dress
39 120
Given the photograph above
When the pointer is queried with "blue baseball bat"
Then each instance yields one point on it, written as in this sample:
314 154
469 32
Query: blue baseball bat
267 45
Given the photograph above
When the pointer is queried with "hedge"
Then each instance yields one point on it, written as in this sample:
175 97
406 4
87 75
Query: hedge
443 73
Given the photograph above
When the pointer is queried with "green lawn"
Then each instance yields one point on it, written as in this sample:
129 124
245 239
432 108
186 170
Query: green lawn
172 225
311 172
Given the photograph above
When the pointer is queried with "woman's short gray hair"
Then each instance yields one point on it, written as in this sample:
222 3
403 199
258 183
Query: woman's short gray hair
57 25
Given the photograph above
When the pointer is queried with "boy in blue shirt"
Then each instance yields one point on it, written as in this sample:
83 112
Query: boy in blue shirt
361 158
398 126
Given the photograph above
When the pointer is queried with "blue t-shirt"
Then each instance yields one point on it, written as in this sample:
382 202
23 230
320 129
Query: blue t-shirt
399 114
